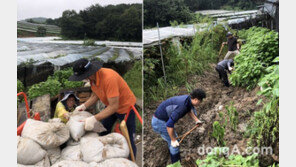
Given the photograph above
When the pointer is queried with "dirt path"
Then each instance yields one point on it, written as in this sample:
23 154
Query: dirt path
156 152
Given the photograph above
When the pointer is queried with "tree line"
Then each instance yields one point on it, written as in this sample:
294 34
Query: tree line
182 11
113 22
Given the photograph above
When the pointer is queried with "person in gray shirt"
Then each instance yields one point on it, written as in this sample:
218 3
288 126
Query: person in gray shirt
222 68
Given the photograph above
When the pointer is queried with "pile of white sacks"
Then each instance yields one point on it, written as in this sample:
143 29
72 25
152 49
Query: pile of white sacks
39 145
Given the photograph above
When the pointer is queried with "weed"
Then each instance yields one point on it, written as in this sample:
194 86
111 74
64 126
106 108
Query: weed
89 42
218 133
232 116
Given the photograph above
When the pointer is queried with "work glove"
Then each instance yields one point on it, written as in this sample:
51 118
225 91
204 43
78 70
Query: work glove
199 122
90 123
175 143
80 108
66 116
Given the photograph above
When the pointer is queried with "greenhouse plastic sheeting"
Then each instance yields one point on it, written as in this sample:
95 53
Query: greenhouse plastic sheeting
58 40
61 54
72 57
151 35
123 56
107 55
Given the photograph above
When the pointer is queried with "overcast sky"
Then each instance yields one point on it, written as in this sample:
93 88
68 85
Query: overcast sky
54 8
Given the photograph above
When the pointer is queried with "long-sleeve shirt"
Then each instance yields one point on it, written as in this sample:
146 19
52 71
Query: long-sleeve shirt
226 64
174 108
60 111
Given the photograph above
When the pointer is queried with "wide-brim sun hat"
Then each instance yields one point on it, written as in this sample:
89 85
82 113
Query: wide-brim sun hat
83 68
67 94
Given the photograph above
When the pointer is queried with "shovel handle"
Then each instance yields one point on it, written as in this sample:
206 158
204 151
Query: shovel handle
187 133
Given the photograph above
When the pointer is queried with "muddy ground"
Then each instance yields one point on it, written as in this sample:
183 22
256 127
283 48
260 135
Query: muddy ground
156 152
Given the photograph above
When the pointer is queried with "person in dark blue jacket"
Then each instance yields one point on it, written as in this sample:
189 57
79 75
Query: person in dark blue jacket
169 112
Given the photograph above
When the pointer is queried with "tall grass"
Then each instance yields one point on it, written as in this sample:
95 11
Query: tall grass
181 61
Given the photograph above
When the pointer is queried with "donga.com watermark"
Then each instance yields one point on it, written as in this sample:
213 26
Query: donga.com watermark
226 151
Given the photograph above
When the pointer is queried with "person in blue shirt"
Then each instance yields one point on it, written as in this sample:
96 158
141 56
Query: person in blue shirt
169 112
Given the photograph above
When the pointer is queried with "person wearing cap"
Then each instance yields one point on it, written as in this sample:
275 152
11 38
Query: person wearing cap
109 87
66 105
233 46
169 112
222 68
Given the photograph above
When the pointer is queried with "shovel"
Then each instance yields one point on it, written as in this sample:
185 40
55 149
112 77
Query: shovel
187 133
221 48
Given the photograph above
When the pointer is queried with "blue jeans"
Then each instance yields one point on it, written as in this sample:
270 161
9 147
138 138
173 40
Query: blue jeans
159 126
130 123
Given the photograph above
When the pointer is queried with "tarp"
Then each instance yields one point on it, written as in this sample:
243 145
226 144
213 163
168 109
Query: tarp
42 50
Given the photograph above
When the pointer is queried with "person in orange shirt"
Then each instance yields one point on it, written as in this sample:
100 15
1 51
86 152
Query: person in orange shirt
108 86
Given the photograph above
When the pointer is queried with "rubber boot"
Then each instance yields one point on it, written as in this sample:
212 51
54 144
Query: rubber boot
175 157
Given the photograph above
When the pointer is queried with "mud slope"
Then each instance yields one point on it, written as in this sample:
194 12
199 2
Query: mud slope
155 149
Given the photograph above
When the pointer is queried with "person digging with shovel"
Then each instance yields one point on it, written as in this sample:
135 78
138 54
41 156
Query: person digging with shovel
109 87
169 112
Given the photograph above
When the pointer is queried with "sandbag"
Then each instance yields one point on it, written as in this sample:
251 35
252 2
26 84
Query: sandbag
115 146
117 162
76 127
68 163
54 154
43 163
71 153
55 120
48 135
91 148
29 152
72 142
81 115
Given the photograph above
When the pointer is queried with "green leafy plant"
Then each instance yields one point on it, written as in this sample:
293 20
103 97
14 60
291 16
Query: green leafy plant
174 23
53 84
232 116
270 82
264 127
20 86
50 86
217 159
62 76
255 56
218 133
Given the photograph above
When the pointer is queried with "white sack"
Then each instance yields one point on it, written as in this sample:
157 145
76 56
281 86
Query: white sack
43 163
29 152
71 153
77 127
67 163
48 135
115 146
91 148
117 162
55 120
72 142
54 154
